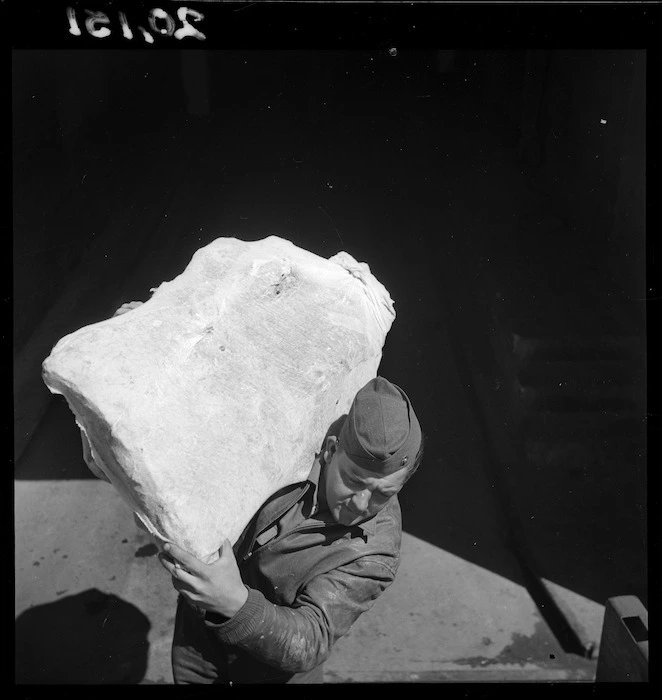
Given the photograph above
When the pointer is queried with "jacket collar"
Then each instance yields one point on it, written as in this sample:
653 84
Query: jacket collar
368 526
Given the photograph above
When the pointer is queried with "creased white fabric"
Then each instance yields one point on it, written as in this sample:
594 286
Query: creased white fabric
217 392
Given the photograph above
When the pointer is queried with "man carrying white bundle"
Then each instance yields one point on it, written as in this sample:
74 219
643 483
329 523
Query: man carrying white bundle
311 561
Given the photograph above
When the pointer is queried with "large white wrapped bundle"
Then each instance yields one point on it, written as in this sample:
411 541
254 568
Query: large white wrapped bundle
218 391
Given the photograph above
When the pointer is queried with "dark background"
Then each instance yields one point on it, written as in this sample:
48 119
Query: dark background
505 219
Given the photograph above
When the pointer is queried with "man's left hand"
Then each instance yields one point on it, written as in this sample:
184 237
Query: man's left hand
215 587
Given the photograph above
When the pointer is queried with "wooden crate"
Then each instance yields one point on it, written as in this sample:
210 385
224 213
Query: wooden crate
623 653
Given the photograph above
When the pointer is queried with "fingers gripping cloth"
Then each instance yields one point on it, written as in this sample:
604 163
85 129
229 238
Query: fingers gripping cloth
218 391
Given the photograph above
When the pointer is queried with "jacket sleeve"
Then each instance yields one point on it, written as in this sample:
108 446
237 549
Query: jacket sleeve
298 638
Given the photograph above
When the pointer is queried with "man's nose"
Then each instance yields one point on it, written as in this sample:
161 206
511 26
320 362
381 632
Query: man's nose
361 500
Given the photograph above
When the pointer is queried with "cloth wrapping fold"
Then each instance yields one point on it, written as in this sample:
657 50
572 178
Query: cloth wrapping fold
217 392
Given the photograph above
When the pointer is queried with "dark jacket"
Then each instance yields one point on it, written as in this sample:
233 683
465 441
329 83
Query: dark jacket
308 578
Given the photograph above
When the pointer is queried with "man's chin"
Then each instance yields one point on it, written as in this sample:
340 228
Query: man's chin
347 517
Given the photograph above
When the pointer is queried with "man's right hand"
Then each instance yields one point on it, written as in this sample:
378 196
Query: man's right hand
128 306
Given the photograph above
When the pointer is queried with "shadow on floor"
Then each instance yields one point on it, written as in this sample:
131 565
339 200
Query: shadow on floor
89 638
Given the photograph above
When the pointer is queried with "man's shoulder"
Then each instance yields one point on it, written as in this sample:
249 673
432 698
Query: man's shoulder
378 549
388 523
367 552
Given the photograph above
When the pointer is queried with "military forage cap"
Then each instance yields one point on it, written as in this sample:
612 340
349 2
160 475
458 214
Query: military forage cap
381 432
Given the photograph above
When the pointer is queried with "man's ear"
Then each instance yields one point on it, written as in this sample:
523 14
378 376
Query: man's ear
330 447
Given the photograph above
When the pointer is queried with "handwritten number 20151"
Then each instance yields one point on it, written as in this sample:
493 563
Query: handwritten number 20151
96 24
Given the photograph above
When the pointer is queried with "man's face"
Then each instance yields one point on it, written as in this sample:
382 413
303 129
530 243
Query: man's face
351 493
